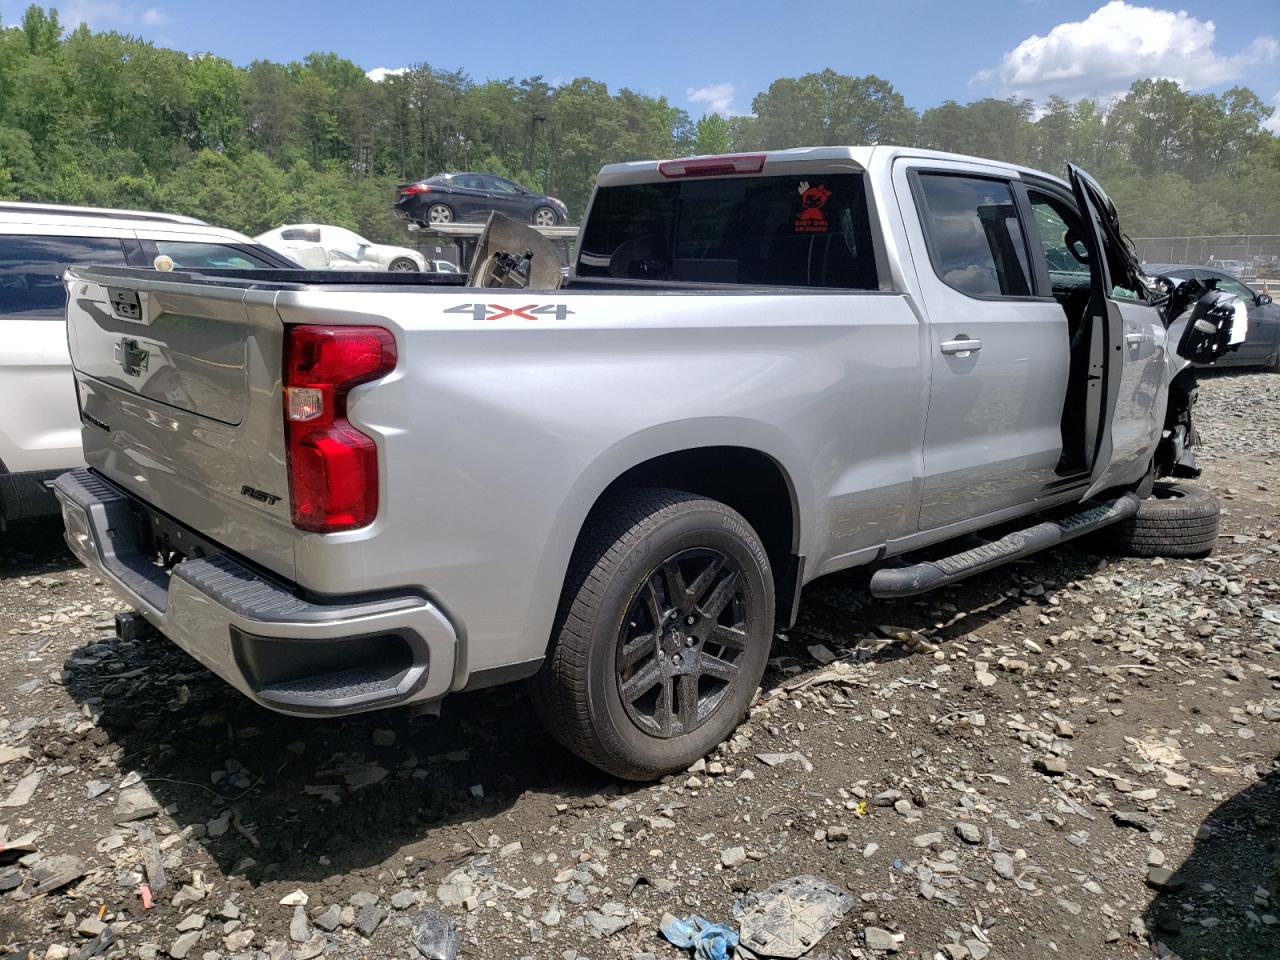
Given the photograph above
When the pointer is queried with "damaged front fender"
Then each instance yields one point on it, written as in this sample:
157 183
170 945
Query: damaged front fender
1204 323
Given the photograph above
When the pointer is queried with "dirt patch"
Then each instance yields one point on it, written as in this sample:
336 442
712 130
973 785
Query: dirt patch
1072 756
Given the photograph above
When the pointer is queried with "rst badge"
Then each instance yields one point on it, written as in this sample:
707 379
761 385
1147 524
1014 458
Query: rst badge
496 311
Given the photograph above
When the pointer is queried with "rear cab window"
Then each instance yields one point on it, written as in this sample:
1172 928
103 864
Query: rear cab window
31 269
771 231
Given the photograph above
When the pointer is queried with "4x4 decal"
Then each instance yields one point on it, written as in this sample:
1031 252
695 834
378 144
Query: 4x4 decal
496 311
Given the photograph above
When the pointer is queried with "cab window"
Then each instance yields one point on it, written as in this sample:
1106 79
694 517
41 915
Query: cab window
974 236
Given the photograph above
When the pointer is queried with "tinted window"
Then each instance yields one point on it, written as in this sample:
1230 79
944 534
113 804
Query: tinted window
31 272
500 185
761 231
193 255
305 234
1233 287
975 239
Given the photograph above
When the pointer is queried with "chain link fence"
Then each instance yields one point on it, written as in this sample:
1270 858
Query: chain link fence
1257 255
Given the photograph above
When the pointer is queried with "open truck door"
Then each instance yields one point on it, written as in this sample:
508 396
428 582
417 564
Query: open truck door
1134 371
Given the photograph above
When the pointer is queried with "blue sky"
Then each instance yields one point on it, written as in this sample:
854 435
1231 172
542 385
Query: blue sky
718 55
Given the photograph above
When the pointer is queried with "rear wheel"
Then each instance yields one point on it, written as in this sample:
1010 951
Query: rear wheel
545 217
1177 520
439 213
662 637
402 265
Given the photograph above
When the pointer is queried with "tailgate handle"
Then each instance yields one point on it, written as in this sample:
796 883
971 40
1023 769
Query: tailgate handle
125 303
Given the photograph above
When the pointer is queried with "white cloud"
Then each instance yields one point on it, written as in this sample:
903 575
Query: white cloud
111 15
1118 43
378 74
716 97
1274 123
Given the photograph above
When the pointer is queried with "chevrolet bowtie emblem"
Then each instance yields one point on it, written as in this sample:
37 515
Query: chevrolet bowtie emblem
131 357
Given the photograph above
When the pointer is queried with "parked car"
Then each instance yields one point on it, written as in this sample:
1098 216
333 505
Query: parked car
1240 269
765 369
449 197
322 247
445 266
1262 347
39 425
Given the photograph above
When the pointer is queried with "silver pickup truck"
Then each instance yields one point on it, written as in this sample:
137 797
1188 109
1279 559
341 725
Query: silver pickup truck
344 493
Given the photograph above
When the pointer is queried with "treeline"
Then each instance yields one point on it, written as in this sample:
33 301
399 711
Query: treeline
112 120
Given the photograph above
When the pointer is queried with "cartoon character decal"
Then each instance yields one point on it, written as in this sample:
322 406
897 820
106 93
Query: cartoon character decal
812 200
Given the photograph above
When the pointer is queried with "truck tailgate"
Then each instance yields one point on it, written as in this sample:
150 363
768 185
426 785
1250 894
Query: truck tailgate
179 384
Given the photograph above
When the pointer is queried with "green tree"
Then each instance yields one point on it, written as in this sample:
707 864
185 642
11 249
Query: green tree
99 117
41 30
826 109
712 134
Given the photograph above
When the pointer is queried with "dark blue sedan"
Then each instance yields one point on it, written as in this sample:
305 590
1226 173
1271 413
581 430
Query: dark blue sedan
451 197
1262 347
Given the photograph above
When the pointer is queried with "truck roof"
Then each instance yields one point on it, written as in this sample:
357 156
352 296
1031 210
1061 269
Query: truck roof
862 157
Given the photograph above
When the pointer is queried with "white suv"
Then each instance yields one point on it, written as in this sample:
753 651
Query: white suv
39 425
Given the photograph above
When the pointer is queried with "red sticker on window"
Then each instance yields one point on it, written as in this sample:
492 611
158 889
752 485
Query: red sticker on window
812 200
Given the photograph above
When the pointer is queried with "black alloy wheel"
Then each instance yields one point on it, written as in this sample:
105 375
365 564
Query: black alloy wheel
680 642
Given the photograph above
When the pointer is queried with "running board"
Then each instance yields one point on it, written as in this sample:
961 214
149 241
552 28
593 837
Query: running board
929 575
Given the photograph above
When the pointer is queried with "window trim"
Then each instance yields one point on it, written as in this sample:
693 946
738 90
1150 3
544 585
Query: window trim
922 218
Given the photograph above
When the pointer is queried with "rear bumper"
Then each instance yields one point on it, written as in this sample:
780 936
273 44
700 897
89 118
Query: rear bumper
304 656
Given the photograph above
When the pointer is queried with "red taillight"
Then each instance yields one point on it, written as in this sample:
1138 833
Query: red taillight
333 467
712 166
414 188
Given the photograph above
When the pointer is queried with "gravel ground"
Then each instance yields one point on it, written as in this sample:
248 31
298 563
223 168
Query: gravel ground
1074 756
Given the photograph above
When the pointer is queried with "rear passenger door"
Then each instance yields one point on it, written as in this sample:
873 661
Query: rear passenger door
999 353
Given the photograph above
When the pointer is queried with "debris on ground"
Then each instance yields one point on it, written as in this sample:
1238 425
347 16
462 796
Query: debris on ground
1071 756
707 940
789 918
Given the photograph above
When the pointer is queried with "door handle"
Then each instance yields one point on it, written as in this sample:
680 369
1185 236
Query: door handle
961 347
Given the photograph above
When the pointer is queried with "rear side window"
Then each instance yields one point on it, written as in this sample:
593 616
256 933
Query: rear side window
975 240
31 271
791 231
194 255
303 234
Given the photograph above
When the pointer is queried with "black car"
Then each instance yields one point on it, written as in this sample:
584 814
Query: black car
1262 346
450 197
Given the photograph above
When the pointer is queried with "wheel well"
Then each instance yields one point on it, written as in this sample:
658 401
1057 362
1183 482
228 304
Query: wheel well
750 482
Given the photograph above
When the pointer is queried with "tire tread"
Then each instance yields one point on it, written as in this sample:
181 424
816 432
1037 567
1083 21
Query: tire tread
1184 526
559 689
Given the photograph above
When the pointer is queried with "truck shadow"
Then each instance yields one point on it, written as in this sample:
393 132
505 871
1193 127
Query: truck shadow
33 548
310 800
338 800
1233 871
